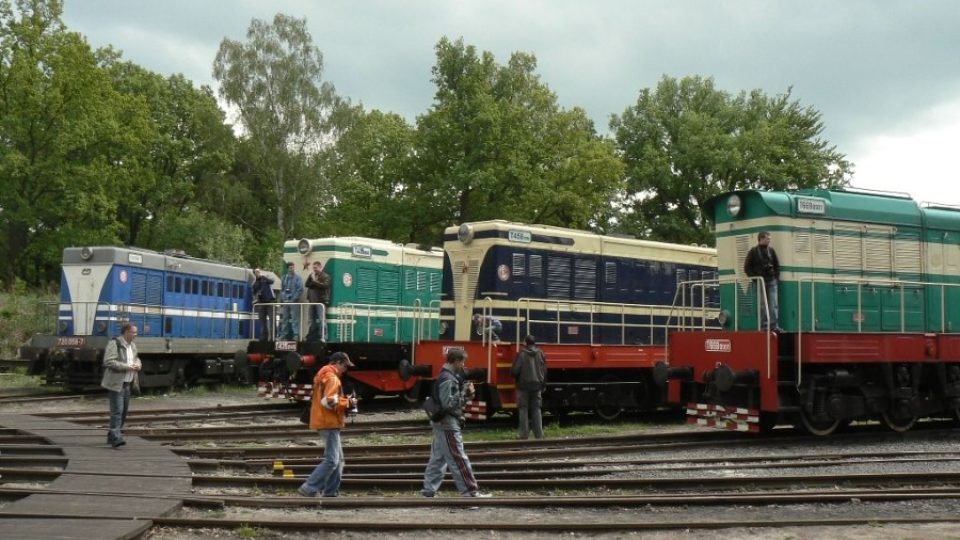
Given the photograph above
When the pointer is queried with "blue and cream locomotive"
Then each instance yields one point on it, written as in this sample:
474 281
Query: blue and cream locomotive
194 317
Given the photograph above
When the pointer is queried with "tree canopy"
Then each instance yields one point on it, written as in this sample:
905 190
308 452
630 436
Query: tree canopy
98 150
686 141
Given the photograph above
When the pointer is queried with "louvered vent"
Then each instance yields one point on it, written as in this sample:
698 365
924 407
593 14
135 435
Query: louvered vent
558 277
848 250
536 266
585 279
743 246
907 254
519 264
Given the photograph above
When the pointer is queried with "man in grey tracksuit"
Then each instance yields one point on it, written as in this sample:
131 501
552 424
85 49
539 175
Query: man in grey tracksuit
447 448
120 368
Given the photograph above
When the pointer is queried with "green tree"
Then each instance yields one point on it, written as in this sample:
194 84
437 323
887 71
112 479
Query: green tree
274 81
64 153
368 168
495 144
686 141
186 141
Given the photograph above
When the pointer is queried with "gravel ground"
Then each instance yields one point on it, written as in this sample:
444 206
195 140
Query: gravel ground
475 519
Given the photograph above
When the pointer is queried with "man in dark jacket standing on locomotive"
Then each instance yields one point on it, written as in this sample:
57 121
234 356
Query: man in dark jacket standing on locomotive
447 448
318 292
530 371
263 294
762 262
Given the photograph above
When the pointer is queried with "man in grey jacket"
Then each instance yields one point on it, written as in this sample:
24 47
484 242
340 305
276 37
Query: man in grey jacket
120 367
530 371
447 448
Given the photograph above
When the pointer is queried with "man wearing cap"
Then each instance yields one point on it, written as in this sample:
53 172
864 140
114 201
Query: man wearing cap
292 290
328 413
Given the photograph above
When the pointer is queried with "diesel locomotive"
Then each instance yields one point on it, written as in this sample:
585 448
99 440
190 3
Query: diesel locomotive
194 317
869 305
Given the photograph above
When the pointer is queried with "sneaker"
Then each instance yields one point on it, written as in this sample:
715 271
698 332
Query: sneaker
304 493
426 493
118 443
479 495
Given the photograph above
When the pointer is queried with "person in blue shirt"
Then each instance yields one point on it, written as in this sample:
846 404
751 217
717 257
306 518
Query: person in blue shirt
485 324
291 291
263 296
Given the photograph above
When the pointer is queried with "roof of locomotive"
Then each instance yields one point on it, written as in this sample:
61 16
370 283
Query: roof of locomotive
839 205
131 256
347 242
550 234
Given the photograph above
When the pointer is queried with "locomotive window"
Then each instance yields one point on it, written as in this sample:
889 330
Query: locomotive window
169 283
519 264
536 266
196 286
236 291
205 288
610 273
178 284
220 290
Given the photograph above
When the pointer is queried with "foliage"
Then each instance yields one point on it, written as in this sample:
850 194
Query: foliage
22 314
185 142
65 152
274 80
495 144
686 141
368 168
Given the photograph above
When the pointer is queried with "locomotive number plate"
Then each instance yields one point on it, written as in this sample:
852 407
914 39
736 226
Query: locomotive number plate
70 341
285 346
717 345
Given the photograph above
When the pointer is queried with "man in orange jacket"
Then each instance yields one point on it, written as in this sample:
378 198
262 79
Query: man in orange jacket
328 413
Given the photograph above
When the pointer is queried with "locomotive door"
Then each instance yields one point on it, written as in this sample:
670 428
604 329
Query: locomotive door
85 293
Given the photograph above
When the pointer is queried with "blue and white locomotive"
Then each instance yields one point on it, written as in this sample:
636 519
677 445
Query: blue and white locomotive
194 317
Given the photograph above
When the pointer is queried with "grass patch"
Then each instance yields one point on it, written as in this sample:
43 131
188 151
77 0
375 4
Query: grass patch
19 379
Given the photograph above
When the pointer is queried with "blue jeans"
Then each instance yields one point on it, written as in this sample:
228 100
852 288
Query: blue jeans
447 451
290 325
119 405
326 477
773 301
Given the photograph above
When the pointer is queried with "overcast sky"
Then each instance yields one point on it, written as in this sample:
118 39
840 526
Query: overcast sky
885 74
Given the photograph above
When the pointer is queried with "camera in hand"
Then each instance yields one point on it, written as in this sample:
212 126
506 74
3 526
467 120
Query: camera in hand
768 269
353 405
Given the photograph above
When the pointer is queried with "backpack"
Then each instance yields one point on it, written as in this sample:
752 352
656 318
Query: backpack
433 405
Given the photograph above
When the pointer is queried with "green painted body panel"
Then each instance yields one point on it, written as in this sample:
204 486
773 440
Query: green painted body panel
891 290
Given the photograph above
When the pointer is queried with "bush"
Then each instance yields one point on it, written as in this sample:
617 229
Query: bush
23 314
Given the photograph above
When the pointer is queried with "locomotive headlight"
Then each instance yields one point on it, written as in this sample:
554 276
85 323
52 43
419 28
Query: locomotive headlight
465 233
303 246
86 253
734 205
723 317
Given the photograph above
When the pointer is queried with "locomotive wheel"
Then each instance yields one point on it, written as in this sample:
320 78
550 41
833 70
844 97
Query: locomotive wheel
817 426
898 423
608 412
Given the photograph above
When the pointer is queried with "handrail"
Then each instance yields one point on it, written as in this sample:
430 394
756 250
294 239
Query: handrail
137 313
416 313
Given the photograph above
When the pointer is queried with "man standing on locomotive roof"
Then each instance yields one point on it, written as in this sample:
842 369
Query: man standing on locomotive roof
120 368
530 371
328 413
318 292
450 391
762 262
